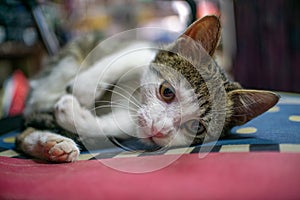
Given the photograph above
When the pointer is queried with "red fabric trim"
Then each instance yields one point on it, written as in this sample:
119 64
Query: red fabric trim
217 176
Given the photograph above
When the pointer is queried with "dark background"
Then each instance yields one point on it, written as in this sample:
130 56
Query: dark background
268 44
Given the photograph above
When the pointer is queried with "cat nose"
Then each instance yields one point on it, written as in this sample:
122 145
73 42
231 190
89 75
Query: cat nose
156 133
159 135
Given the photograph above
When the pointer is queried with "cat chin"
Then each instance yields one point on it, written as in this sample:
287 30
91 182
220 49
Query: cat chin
165 142
151 141
171 140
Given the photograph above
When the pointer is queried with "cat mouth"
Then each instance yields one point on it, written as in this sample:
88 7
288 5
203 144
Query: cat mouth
158 135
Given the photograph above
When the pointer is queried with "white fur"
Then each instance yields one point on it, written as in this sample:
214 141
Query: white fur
50 146
77 119
91 84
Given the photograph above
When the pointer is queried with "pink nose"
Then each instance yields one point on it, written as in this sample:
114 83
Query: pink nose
156 133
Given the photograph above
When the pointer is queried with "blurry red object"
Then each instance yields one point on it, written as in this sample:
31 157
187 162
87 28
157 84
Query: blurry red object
19 93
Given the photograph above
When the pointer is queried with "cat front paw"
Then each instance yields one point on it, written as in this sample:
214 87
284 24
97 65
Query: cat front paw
84 90
65 110
71 116
61 150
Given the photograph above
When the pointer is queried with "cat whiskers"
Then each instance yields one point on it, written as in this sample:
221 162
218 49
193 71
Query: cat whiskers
131 99
111 104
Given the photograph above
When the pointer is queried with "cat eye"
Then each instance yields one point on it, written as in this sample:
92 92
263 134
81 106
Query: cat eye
167 92
194 127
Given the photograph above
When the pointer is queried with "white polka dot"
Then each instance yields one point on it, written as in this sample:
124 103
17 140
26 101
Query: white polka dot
274 109
294 118
9 140
246 130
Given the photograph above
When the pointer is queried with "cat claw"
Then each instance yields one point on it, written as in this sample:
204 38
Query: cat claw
64 150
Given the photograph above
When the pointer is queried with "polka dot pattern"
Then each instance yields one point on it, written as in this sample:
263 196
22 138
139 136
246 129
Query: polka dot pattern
274 109
294 118
246 130
9 140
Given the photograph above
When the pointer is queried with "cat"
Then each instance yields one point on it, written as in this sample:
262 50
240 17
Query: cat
179 98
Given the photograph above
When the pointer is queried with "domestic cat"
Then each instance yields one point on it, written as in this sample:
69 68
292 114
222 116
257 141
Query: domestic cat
179 97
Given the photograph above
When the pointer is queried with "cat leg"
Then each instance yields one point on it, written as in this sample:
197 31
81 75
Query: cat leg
47 89
74 118
48 146
92 83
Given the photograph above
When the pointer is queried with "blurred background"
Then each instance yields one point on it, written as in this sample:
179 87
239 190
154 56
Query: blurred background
260 43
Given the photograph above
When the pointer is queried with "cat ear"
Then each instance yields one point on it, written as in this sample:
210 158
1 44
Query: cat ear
247 104
207 31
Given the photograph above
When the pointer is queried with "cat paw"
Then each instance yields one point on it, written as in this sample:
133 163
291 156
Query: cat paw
66 104
64 111
70 115
61 150
84 91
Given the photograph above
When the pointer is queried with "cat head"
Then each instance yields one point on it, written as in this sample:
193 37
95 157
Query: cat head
186 98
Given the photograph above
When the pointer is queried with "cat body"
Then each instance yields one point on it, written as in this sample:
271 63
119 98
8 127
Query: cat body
173 96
